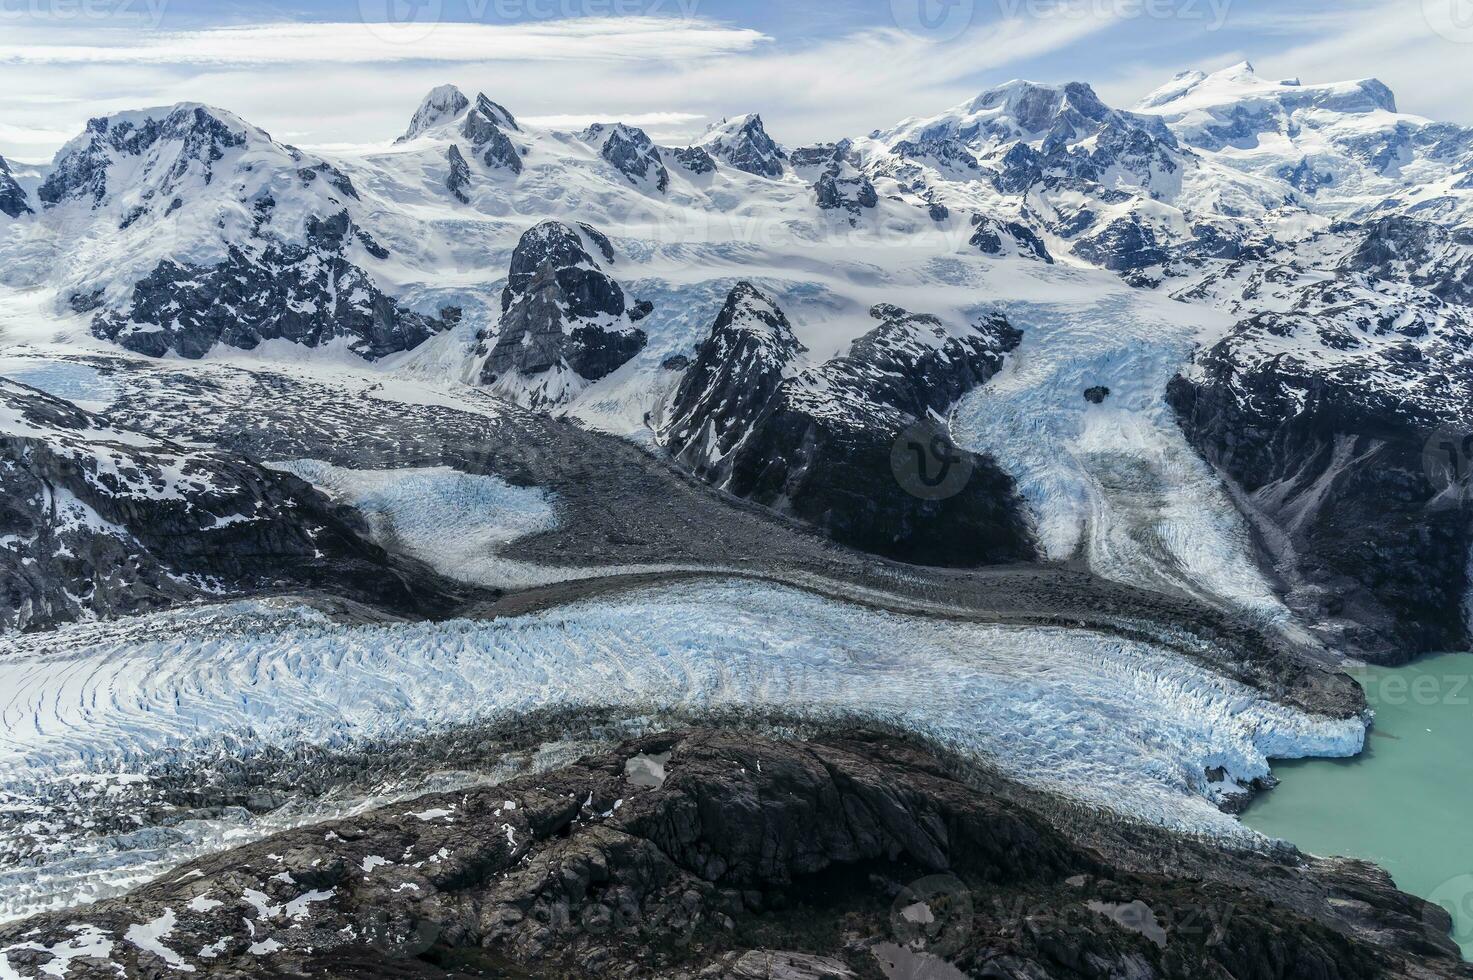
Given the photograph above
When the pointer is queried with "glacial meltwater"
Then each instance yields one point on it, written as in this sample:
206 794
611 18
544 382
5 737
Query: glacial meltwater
1407 801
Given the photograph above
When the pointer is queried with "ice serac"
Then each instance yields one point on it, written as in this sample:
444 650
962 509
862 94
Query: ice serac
820 444
97 521
444 104
564 322
631 152
13 200
744 144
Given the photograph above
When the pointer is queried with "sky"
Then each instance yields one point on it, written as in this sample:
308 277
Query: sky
332 72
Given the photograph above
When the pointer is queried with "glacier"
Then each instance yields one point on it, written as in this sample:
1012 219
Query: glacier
1120 725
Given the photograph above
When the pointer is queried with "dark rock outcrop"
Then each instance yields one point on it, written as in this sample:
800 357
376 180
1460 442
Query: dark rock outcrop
13 200
309 294
564 322
1365 515
459 177
97 521
997 237
485 126
631 152
694 159
729 856
1124 245
839 182
849 446
1403 249
737 371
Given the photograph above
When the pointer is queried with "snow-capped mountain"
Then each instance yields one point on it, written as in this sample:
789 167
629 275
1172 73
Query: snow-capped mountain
13 200
564 322
1343 147
1313 233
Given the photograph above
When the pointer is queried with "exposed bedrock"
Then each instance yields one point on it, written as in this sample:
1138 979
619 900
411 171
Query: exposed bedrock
1362 514
727 855
853 446
98 521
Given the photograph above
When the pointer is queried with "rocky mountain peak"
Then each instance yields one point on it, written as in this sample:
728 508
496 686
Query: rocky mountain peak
496 113
565 323
743 143
443 104
197 136
485 127
13 202
737 370
631 151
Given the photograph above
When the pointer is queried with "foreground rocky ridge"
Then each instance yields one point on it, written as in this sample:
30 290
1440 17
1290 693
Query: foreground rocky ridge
699 853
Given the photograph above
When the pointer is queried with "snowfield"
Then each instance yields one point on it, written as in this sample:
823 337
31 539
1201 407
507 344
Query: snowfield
455 522
1117 724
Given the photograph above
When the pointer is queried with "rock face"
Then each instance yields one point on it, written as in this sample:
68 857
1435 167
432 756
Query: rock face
827 444
1340 415
442 105
485 126
13 200
1369 533
743 143
994 237
459 177
727 856
694 159
98 521
838 181
631 152
736 373
309 294
197 139
564 321
1403 249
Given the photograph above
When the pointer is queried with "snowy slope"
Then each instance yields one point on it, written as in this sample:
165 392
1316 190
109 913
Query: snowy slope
1035 199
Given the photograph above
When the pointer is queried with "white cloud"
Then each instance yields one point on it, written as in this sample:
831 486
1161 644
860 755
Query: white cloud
603 39
666 74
